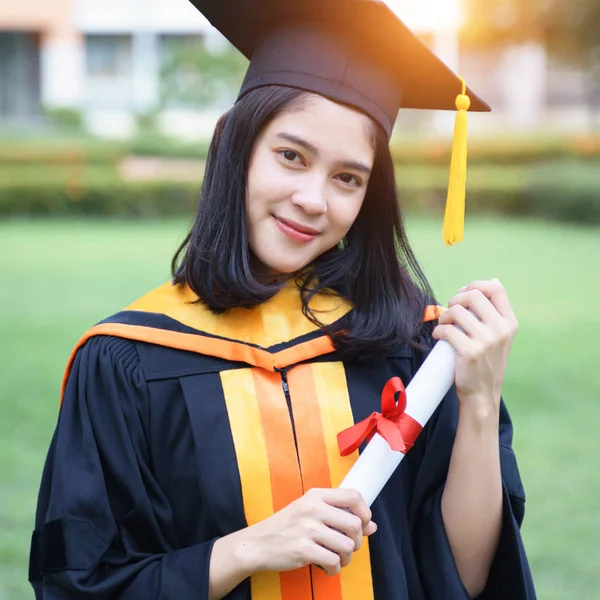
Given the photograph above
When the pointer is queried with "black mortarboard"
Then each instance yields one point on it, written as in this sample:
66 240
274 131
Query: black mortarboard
356 52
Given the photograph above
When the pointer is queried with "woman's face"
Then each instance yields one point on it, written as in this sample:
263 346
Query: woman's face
307 180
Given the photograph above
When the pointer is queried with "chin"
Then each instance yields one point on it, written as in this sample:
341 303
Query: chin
278 262
285 267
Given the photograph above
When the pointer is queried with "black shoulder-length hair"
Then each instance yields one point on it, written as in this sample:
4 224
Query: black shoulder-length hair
374 267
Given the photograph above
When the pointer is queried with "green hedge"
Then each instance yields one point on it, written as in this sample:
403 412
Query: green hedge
157 145
499 151
45 174
570 192
110 199
406 152
95 151
61 153
566 190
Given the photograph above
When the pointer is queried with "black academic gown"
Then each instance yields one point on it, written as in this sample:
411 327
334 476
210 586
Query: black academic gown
173 432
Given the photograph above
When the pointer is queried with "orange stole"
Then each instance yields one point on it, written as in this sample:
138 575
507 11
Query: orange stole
321 407
269 471
270 475
174 302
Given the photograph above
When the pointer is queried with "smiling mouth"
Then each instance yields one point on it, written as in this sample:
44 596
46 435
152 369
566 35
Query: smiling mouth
296 231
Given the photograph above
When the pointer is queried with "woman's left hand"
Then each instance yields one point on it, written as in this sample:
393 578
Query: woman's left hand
482 350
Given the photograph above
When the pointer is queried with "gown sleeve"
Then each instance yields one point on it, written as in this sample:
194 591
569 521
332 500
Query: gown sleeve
510 575
102 524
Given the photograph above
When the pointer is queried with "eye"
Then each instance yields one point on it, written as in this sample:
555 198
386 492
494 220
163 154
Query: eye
291 156
350 179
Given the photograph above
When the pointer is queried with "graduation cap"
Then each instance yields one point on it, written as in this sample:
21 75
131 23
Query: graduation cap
355 52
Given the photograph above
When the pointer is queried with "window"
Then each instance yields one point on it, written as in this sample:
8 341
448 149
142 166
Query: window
19 74
109 72
108 55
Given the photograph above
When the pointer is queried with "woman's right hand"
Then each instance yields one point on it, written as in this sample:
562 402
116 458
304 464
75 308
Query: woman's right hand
323 527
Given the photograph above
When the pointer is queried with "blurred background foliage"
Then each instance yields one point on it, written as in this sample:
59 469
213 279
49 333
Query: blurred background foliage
59 169
549 177
569 29
192 75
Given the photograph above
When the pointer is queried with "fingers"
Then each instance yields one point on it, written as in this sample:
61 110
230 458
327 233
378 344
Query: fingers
495 292
335 541
329 561
463 344
346 523
489 302
370 529
328 518
474 321
462 317
474 304
349 499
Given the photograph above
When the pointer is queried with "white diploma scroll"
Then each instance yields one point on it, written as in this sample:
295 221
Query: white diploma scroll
424 394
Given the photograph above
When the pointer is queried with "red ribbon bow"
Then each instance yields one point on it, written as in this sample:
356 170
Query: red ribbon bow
392 423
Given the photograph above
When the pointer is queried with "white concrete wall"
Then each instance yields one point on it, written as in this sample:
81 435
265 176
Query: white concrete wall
522 80
146 80
61 67
428 16
166 16
145 21
62 71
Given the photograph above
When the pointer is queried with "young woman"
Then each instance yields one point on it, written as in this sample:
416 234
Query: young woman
195 454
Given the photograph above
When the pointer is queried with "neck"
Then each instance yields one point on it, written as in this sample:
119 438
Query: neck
268 276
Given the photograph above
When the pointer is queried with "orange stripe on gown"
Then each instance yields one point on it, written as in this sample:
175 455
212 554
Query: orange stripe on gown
267 463
321 408
286 484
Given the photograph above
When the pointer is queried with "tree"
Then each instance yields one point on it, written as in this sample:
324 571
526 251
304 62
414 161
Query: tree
568 28
193 76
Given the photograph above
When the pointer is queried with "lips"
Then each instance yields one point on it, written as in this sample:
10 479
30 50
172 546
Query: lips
296 231
298 226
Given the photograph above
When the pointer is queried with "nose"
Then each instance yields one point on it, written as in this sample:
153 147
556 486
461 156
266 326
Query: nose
311 196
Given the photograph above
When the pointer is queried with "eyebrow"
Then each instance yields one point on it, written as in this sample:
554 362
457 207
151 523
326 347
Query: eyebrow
350 164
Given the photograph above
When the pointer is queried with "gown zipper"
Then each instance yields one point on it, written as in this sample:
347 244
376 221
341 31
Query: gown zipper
288 400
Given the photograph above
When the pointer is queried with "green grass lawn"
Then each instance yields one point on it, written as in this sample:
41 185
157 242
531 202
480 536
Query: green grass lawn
58 278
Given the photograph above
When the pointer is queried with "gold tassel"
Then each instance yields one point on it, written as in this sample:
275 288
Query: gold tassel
454 219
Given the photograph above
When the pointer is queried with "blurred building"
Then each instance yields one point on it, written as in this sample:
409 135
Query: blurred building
37 43
103 58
